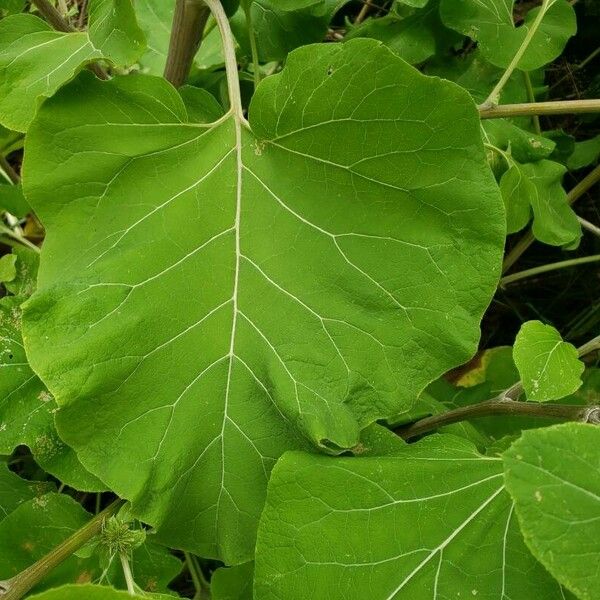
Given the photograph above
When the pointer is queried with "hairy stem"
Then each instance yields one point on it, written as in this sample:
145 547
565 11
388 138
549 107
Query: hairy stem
581 188
506 403
8 169
231 67
589 226
57 21
493 98
585 414
563 264
189 21
556 107
19 585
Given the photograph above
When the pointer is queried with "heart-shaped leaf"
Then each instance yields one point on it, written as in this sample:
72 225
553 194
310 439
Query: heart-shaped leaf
549 367
250 288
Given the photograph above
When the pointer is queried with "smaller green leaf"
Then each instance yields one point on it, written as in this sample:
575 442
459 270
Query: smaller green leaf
155 18
414 3
524 145
414 38
35 528
549 367
15 490
517 192
11 7
584 154
13 200
8 270
491 24
113 29
553 475
565 145
233 583
296 4
555 223
278 31
23 285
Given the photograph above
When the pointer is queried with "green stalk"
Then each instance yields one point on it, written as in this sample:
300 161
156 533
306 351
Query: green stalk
563 264
18 238
507 404
569 412
556 107
493 98
19 585
8 170
127 573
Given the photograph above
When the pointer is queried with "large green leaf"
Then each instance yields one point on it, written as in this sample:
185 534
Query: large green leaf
429 520
35 60
549 367
491 24
272 287
553 475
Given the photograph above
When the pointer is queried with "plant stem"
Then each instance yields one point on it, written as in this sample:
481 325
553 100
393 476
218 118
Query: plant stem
556 107
18 238
589 347
20 584
589 226
253 46
493 98
201 586
563 264
56 20
585 414
531 98
581 188
231 67
506 403
364 11
8 169
189 20
127 573
52 15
